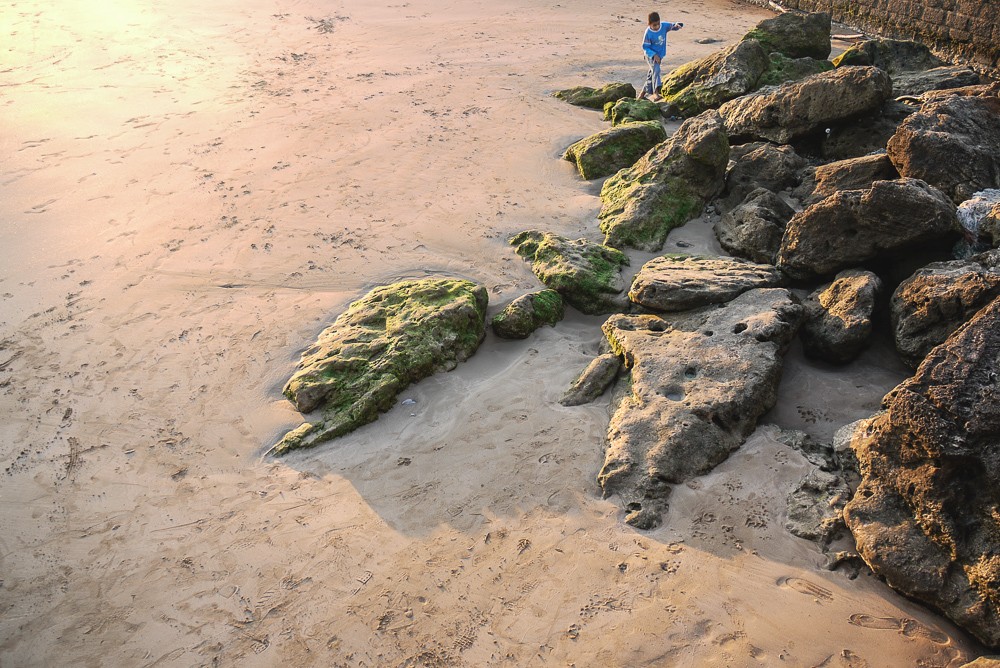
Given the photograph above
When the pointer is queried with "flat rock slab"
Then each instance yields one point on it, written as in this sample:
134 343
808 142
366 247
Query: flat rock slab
395 335
682 282
698 382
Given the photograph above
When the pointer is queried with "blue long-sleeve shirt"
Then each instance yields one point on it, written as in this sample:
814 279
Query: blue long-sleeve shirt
655 43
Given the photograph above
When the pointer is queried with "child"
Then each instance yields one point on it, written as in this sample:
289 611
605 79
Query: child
654 44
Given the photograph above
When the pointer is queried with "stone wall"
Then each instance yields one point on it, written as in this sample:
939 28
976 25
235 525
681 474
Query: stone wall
961 31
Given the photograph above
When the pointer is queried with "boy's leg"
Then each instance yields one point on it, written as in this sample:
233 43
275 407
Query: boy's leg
657 82
647 88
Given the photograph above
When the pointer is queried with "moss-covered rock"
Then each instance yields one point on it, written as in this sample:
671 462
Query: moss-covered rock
610 150
595 98
627 110
668 186
782 69
587 275
527 313
706 83
395 335
892 55
795 35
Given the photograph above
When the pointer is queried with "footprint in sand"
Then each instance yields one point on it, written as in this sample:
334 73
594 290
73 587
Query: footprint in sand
909 628
806 587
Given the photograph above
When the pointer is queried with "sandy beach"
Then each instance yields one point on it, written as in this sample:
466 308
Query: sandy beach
191 191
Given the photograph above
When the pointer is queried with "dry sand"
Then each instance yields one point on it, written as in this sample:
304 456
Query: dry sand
190 192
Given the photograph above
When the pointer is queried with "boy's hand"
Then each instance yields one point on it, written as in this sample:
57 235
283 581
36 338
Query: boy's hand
678 26
656 59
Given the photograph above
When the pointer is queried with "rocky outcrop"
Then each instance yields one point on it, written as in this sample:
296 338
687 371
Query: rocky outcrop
953 144
629 109
938 299
613 149
596 98
754 229
668 186
853 226
794 35
925 514
838 316
395 335
799 109
705 84
851 174
938 78
698 381
593 381
587 275
761 165
527 313
683 282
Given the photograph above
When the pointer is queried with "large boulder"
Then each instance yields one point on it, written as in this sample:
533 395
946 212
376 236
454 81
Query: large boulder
853 226
892 55
952 143
395 335
754 229
667 187
698 382
596 98
938 78
761 165
799 109
527 313
925 516
587 275
838 316
850 174
706 83
613 149
938 299
795 35
682 282
629 109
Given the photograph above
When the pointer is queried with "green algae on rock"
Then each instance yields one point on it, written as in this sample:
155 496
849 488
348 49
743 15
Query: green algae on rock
608 151
708 82
628 110
782 69
527 313
396 335
587 275
667 187
595 98
795 35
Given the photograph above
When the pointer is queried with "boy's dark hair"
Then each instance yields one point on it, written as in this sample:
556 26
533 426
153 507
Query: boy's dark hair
654 17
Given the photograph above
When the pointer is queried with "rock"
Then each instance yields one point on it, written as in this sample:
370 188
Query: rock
952 144
938 78
853 226
698 381
706 83
925 514
754 229
938 299
983 662
816 452
587 275
851 174
527 313
596 98
781 68
682 282
395 335
892 55
798 109
842 447
979 220
989 225
593 381
816 505
866 134
668 186
838 316
629 109
761 165
610 150
795 35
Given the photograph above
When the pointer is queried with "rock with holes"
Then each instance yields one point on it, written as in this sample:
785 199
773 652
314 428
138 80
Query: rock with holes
593 381
697 381
938 299
853 226
596 98
527 313
682 282
925 515
754 229
838 316
396 335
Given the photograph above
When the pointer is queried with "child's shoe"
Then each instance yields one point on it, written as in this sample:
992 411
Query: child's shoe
655 98
641 95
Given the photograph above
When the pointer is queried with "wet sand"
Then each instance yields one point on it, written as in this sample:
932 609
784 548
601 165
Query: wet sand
190 193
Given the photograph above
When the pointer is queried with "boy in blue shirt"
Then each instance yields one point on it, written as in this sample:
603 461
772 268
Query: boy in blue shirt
654 44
